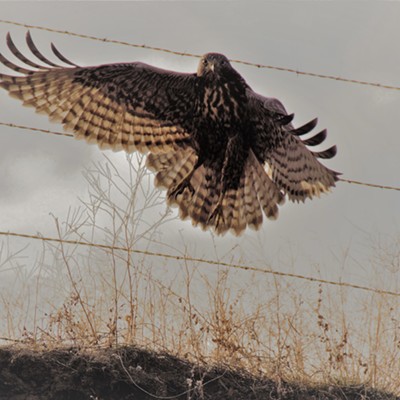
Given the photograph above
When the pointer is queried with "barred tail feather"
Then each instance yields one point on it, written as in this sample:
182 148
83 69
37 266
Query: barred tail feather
268 193
239 219
252 209
202 198
240 207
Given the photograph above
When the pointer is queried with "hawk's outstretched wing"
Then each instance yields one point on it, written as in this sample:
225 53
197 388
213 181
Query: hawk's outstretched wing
119 106
292 166
209 135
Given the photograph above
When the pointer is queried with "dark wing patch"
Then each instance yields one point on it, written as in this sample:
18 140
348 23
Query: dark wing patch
297 171
119 106
292 166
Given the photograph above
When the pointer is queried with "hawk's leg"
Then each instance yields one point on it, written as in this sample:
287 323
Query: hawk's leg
182 185
216 216
184 182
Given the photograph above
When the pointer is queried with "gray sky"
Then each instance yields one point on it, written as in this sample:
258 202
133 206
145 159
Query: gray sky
332 236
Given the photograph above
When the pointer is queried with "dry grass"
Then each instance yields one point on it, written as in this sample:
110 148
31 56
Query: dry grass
270 326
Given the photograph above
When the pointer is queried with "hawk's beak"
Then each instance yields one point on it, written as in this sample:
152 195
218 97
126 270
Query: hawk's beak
212 67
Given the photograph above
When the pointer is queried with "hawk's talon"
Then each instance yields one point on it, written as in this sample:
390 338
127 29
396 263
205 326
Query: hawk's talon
180 188
216 216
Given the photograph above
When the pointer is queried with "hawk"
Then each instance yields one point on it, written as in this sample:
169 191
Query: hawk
224 153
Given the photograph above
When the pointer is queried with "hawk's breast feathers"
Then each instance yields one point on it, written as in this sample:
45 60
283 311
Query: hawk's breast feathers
209 135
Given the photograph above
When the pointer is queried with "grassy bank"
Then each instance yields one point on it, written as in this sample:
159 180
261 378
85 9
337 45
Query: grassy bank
222 332
129 373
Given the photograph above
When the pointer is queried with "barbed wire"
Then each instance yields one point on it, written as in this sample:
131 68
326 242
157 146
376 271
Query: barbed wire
201 260
186 54
30 128
374 185
11 125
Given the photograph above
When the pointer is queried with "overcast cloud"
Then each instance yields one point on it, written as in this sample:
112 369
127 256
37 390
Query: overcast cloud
42 174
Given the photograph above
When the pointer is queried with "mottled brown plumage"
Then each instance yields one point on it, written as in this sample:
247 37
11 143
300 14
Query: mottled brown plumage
209 136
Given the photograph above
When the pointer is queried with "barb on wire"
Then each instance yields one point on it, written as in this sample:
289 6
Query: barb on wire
71 135
185 54
104 40
201 260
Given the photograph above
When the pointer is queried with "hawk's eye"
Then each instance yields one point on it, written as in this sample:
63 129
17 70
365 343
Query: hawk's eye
205 61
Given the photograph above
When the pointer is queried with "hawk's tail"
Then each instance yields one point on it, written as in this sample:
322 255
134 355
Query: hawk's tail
240 207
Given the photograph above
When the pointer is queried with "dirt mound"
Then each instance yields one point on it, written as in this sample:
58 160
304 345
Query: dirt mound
134 374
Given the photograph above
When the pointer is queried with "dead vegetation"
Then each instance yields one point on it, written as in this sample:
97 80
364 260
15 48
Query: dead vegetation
114 324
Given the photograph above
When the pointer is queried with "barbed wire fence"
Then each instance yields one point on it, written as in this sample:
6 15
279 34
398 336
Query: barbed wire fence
201 260
187 54
30 128
186 258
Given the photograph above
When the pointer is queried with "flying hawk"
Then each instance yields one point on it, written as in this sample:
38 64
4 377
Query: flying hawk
224 153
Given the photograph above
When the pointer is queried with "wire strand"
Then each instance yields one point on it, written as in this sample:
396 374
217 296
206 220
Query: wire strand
201 260
374 185
186 54
11 125
30 128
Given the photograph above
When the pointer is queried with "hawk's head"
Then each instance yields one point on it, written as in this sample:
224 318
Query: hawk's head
214 64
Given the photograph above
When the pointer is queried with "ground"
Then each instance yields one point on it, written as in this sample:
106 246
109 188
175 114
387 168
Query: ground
134 374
